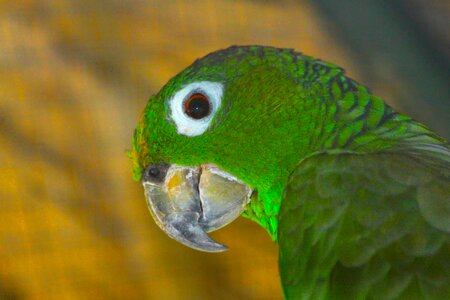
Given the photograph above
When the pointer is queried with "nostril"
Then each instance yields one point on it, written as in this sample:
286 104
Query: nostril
155 173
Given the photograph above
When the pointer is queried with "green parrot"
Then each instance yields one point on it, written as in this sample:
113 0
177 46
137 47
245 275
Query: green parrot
356 195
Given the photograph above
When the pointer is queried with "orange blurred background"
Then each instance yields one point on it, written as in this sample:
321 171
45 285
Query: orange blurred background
74 77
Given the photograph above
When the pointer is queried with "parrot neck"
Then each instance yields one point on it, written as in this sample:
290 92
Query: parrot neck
373 126
357 123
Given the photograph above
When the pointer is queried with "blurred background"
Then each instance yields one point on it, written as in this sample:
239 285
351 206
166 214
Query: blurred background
74 77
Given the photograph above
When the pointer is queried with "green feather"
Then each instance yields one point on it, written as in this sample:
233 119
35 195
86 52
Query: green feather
354 226
360 216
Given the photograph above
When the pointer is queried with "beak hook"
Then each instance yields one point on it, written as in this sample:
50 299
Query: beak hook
187 202
184 227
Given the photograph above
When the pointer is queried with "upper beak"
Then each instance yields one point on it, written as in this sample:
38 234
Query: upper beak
187 202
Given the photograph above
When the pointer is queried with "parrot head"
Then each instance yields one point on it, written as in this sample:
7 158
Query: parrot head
220 139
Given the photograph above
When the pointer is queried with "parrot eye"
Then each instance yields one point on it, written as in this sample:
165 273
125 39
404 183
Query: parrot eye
197 106
193 107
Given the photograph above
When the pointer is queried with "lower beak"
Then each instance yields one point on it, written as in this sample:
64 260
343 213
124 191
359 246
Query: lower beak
188 202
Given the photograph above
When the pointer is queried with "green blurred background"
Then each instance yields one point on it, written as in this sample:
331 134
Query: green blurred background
74 77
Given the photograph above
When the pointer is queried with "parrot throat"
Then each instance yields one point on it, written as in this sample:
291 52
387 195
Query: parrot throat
263 209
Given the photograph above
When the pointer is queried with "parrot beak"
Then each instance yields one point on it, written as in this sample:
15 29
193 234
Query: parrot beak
188 202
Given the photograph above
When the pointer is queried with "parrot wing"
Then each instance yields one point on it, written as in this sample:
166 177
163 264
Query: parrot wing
367 226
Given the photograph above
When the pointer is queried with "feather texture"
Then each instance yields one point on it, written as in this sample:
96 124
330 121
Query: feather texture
369 226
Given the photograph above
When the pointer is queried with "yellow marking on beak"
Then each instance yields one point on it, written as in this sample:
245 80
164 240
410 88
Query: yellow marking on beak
174 181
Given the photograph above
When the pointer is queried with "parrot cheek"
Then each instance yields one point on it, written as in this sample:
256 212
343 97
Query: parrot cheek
187 202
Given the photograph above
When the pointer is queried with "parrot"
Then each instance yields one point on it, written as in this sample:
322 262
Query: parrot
355 195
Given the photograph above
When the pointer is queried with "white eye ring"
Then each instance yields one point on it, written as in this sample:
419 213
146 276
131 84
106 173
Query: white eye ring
189 126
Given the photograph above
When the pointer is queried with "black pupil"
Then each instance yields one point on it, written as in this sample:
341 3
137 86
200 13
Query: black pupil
197 107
